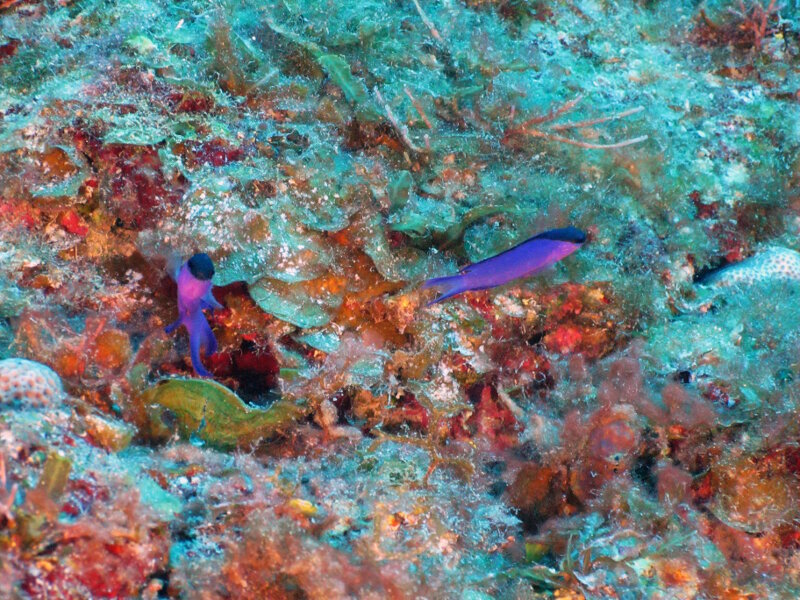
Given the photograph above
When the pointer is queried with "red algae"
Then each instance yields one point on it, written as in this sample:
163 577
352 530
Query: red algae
72 223
215 152
18 213
407 411
279 567
112 349
109 550
685 410
129 179
8 49
754 496
539 492
581 319
673 485
610 446
624 385
191 101
489 422
745 27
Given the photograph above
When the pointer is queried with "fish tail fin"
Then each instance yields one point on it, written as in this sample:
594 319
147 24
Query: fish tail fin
452 285
194 343
210 302
173 326
201 338
211 342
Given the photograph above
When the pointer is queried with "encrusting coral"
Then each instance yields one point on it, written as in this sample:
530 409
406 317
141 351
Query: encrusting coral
28 383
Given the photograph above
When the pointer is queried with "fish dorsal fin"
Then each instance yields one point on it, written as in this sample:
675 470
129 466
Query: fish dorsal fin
564 234
569 234
174 263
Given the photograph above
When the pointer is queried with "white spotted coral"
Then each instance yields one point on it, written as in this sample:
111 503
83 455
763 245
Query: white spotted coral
29 383
773 264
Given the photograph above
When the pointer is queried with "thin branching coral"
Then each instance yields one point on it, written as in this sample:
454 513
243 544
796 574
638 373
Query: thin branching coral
531 128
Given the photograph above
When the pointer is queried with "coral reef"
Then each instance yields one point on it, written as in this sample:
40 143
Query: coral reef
623 424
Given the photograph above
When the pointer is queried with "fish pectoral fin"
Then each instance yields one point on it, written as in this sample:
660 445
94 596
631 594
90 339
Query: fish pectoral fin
208 301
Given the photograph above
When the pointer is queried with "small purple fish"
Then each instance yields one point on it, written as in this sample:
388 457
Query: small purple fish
194 295
527 258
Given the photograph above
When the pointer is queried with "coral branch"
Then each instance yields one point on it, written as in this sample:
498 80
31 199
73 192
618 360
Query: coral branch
527 127
418 107
428 23
553 114
589 145
401 130
590 122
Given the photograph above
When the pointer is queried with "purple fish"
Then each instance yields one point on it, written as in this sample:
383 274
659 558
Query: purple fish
527 258
194 295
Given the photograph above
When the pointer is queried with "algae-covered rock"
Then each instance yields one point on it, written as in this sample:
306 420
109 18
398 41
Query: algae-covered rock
40 502
211 412
108 433
55 475
305 304
12 299
752 497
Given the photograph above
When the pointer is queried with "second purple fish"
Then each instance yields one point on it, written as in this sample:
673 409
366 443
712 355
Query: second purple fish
527 258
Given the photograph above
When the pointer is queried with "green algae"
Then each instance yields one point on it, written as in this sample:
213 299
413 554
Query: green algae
55 475
210 412
324 341
294 303
339 70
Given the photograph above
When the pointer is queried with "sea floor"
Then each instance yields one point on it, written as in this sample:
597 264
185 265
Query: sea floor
622 425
